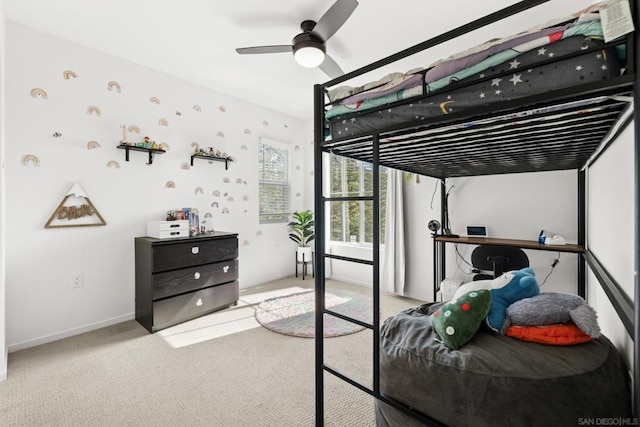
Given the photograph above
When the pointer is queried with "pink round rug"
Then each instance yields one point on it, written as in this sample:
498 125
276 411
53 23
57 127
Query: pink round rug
295 314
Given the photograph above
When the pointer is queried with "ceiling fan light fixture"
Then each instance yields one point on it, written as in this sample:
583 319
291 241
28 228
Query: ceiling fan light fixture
309 54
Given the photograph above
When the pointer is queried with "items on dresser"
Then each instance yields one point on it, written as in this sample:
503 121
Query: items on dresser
167 229
179 279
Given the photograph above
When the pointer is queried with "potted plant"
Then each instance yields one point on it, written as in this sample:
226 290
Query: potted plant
301 231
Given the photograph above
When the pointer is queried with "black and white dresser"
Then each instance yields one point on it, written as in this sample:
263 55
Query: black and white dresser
178 279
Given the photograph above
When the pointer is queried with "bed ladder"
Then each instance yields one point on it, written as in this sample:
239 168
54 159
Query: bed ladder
320 204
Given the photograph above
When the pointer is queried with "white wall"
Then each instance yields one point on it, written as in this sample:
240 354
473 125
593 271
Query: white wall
3 340
518 206
610 232
40 263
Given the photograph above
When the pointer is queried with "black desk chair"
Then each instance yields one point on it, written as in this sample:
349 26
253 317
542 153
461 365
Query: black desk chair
497 259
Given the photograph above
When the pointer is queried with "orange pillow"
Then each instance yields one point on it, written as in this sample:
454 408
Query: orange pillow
555 334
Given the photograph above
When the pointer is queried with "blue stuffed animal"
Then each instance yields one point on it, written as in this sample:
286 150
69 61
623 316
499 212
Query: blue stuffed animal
505 290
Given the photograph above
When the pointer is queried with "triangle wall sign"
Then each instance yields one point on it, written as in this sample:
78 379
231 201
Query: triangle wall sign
75 210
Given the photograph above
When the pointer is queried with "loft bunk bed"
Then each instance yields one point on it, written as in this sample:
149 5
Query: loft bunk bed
450 129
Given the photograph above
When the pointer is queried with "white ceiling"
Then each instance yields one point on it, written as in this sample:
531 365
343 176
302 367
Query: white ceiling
196 39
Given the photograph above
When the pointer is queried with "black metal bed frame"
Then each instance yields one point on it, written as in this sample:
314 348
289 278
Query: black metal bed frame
380 148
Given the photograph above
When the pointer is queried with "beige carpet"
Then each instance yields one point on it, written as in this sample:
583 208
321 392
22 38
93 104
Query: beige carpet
220 370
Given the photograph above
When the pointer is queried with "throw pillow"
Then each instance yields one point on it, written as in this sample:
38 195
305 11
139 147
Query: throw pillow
550 308
558 334
457 321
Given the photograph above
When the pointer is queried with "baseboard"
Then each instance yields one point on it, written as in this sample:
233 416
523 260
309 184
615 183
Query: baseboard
68 333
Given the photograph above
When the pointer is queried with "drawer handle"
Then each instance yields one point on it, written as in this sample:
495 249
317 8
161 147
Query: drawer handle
195 250
196 275
225 269
173 233
174 226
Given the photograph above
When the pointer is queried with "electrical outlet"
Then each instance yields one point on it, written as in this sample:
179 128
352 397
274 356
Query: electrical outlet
77 281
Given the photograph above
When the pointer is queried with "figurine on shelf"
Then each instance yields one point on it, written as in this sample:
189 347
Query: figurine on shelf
211 151
124 140
171 215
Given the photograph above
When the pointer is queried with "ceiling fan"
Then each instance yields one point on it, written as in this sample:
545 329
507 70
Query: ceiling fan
309 47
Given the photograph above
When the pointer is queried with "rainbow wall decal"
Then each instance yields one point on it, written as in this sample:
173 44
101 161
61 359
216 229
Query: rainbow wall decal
222 108
154 100
198 190
247 131
197 108
113 164
170 184
245 198
243 147
216 193
225 210
220 134
114 85
214 204
297 148
30 160
226 180
208 215
36 92
92 145
163 122
164 146
298 194
265 123
259 233
185 166
195 146
134 129
298 167
68 74
245 243
230 199
94 110
238 180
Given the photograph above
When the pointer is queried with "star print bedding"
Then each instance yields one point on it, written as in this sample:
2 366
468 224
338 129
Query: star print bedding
494 379
521 68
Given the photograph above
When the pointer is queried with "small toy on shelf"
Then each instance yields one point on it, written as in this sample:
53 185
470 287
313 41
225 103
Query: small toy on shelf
124 140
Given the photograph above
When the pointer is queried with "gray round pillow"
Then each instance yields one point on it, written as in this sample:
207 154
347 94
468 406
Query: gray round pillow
550 308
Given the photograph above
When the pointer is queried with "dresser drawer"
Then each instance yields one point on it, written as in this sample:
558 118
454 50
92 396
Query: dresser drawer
189 279
180 255
171 311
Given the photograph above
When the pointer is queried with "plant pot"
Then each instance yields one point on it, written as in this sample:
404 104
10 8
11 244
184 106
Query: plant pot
307 252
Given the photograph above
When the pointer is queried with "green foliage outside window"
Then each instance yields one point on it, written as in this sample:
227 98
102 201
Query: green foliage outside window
353 221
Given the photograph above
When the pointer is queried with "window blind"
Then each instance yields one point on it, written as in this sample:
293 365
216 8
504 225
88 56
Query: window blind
275 188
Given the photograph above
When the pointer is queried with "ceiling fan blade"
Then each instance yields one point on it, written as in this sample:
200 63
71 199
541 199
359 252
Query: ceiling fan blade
331 67
281 48
334 18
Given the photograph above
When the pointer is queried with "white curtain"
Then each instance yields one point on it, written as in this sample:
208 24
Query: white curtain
392 274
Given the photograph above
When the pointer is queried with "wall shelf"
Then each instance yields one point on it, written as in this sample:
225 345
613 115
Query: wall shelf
525 244
152 151
212 158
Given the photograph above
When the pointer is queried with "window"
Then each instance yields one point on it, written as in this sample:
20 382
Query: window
274 182
353 221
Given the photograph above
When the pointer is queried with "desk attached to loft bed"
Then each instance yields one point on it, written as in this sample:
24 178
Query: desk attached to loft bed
439 271
563 125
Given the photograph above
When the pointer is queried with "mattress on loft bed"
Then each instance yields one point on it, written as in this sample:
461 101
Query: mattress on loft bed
524 78
496 380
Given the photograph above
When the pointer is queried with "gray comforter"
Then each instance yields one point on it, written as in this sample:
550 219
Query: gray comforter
495 380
